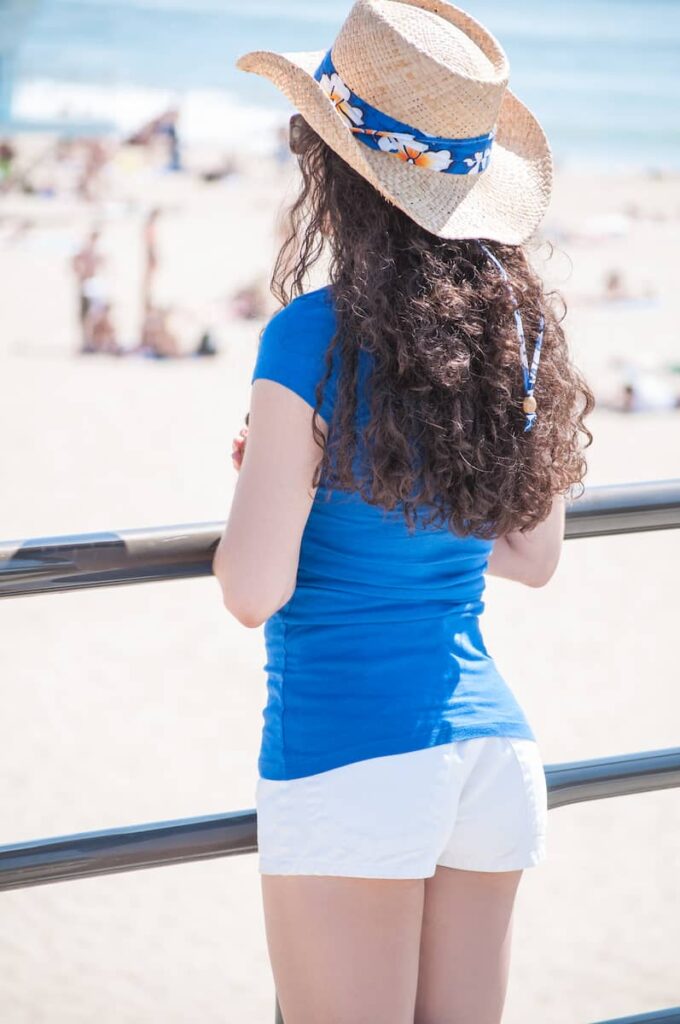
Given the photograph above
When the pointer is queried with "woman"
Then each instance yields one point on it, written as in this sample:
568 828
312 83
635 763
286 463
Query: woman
395 453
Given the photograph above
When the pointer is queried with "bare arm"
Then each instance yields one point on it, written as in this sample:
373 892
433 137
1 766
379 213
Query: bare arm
256 560
531 557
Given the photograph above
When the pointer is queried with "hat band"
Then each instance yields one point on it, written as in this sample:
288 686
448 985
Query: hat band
380 131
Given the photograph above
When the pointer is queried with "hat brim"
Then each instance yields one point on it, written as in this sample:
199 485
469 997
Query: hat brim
505 203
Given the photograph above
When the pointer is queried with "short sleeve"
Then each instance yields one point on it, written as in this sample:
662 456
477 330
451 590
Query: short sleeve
292 348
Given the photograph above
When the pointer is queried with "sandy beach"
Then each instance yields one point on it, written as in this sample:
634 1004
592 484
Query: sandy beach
143 703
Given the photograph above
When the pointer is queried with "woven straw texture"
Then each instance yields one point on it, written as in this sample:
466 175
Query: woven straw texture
430 65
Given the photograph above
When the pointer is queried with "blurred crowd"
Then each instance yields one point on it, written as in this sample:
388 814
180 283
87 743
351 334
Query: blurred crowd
85 168
81 168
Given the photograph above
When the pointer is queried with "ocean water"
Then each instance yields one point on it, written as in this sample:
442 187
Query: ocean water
603 76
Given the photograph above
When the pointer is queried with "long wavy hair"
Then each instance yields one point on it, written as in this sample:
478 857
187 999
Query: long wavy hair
445 440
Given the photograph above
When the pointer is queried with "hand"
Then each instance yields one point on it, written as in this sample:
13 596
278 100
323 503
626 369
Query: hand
238 447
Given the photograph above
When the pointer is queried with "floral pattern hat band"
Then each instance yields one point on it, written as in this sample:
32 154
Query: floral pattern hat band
380 131
423 82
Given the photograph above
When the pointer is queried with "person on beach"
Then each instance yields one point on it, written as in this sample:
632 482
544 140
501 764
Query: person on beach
641 390
87 264
250 301
7 161
414 424
95 156
151 258
616 289
167 128
158 340
101 331
164 127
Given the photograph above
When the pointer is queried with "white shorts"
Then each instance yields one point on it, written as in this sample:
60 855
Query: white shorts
480 804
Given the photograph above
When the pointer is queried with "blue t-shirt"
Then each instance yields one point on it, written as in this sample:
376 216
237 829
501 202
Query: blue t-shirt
378 650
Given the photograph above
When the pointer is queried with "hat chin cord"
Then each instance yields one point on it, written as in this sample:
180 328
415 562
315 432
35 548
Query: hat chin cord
529 404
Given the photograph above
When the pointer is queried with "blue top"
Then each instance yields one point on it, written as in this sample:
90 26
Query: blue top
378 650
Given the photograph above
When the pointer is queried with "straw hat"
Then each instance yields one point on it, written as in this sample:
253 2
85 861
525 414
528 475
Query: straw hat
426 67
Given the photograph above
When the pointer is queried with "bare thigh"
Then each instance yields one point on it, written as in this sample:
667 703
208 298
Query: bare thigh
465 946
344 950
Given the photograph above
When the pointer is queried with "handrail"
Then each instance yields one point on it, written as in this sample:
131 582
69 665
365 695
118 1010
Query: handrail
598 778
74 562
670 1016
110 851
625 508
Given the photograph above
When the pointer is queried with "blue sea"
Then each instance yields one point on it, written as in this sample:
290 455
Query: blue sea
603 76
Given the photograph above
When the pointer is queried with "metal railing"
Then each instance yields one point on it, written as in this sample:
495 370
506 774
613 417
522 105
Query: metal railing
58 564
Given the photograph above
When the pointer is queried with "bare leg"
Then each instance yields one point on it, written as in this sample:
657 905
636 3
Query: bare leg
465 946
344 950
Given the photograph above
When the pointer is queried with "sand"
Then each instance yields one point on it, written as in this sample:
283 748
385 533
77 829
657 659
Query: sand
144 703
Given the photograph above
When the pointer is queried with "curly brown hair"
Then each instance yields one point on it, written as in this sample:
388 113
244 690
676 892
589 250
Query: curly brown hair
446 430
